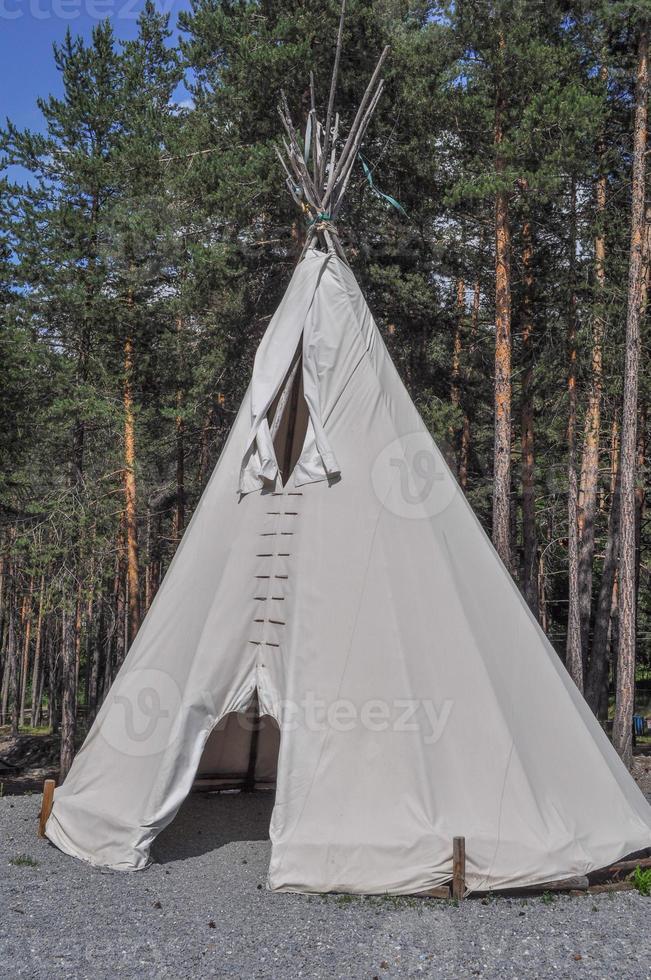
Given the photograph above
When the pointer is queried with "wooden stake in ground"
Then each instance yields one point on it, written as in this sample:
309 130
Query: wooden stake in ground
46 805
458 867
622 728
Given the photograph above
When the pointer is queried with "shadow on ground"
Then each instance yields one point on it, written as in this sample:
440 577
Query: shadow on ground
208 821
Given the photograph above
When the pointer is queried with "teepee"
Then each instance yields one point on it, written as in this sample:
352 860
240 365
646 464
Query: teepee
334 577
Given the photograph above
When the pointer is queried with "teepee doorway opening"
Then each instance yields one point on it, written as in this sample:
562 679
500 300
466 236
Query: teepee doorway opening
241 753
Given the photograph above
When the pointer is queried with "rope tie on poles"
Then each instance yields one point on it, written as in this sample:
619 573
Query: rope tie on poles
322 221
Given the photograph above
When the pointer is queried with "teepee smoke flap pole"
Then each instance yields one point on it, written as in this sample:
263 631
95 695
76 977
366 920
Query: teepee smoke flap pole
345 173
316 160
333 158
320 178
297 162
361 110
331 99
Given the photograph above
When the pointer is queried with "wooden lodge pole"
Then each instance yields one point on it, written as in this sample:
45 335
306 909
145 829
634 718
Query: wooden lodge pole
46 805
458 867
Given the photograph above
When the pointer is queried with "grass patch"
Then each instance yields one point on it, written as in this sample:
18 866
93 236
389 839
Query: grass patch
642 880
23 861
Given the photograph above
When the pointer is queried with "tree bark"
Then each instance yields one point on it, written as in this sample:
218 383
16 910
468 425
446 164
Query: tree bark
4 561
68 694
179 512
592 434
94 663
455 388
542 593
36 671
79 425
121 610
13 668
27 638
625 692
130 499
54 702
529 533
464 454
596 688
640 491
573 658
502 397
207 436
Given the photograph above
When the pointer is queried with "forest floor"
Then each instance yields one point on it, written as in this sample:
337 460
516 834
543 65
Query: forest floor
202 910
26 761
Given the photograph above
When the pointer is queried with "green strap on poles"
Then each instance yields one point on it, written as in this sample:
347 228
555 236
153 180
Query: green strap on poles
376 190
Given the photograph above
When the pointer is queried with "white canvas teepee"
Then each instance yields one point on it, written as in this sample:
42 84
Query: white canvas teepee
334 570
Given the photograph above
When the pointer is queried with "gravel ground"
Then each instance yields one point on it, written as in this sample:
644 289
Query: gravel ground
202 911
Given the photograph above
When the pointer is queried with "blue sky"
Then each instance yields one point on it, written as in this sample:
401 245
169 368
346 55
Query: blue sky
28 29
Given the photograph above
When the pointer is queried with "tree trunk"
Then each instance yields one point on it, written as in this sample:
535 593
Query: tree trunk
464 454
39 696
130 503
36 671
4 643
542 593
640 491
573 658
460 312
455 386
68 694
597 677
79 425
94 663
54 703
3 569
120 606
27 637
108 665
625 694
502 451
529 534
592 434
207 436
179 512
13 667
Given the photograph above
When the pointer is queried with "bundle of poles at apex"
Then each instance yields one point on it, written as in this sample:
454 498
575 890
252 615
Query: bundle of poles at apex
318 173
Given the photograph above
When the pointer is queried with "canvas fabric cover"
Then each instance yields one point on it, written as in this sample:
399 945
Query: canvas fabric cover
364 588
